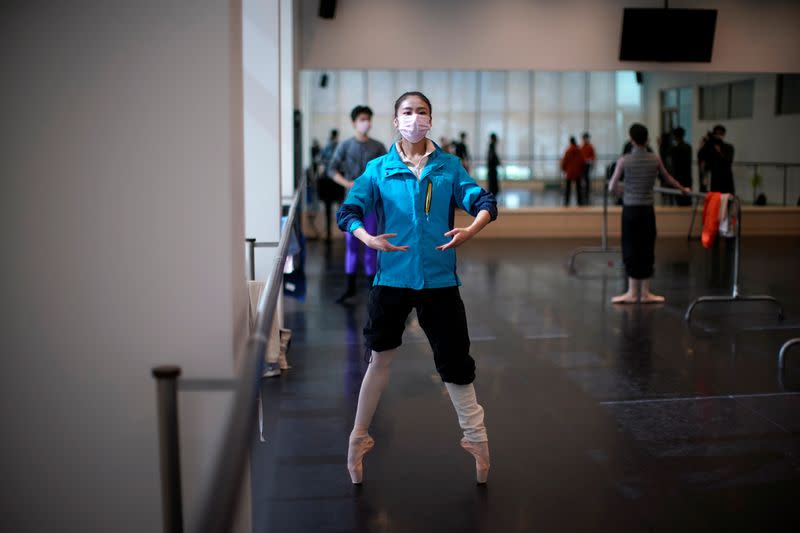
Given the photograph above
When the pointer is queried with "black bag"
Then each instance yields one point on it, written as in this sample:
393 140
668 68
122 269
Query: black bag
329 191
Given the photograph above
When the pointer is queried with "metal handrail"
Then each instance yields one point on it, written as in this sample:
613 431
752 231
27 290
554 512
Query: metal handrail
603 248
785 166
735 296
782 353
218 504
219 498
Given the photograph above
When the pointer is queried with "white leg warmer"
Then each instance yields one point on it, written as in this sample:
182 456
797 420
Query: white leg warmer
470 414
375 380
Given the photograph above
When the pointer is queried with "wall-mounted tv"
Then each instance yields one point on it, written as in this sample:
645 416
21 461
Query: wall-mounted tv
667 34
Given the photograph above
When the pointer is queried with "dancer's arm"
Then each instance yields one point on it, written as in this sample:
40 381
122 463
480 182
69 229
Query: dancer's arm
378 242
612 184
477 202
461 235
335 167
360 200
672 181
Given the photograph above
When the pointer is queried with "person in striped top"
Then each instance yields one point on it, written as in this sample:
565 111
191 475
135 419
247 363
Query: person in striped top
640 168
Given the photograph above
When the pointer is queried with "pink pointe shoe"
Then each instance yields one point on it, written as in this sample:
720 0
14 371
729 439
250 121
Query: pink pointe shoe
358 448
480 451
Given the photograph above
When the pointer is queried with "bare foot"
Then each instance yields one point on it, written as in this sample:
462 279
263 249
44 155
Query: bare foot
650 298
627 298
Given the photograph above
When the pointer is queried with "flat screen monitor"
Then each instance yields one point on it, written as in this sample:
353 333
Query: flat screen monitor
667 34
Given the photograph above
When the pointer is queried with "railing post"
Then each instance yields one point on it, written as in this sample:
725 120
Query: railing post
250 256
738 245
604 238
785 169
755 173
168 444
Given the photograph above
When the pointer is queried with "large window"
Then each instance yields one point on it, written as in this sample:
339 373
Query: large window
676 110
727 101
788 94
533 113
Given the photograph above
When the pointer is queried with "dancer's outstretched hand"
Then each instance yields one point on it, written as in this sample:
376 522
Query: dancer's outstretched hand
381 243
459 236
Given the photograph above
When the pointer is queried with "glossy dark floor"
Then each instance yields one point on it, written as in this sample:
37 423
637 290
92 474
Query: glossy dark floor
600 418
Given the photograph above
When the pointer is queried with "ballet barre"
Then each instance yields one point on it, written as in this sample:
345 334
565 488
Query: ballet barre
603 248
782 353
735 295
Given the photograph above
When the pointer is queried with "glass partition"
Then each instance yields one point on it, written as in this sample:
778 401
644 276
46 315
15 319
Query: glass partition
534 114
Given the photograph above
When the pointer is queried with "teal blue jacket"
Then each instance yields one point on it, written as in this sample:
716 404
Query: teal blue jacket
403 206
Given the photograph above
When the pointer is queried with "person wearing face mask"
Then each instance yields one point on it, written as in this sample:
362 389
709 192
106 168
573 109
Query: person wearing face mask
414 190
348 162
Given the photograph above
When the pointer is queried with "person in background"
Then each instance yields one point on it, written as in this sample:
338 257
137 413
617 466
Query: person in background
702 164
446 145
716 156
461 150
589 159
327 189
414 189
626 149
573 166
640 168
664 143
492 162
680 157
348 162
312 208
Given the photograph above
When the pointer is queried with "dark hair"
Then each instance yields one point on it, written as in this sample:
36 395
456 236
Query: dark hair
628 148
334 133
586 135
403 96
572 140
638 133
493 137
679 133
358 110
719 128
463 134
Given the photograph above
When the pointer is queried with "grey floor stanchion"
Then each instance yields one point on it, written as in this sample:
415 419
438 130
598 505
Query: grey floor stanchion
782 353
735 295
603 248
250 258
169 448
694 217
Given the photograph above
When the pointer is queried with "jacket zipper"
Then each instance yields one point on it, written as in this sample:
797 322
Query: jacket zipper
428 195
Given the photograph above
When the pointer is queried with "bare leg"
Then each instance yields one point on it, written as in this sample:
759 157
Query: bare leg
648 297
631 296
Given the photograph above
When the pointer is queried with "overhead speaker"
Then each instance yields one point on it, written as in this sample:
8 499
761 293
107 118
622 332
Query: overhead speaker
323 80
639 77
327 9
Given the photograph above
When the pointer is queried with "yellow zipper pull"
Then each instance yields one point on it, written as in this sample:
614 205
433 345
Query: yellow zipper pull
428 196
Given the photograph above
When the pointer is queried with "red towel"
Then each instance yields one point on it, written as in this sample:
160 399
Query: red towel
710 219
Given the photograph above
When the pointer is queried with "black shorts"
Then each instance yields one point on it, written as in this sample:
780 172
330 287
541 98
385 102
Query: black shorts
638 240
441 315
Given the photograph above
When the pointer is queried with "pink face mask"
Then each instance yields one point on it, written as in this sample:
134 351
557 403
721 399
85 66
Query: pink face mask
414 127
363 126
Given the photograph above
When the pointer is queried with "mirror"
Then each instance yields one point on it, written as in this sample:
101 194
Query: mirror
534 114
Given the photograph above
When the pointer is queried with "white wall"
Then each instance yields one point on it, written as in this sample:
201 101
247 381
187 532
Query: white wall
269 87
262 127
122 223
766 137
751 35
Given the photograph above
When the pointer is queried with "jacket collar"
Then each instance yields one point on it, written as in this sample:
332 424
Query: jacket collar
395 164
